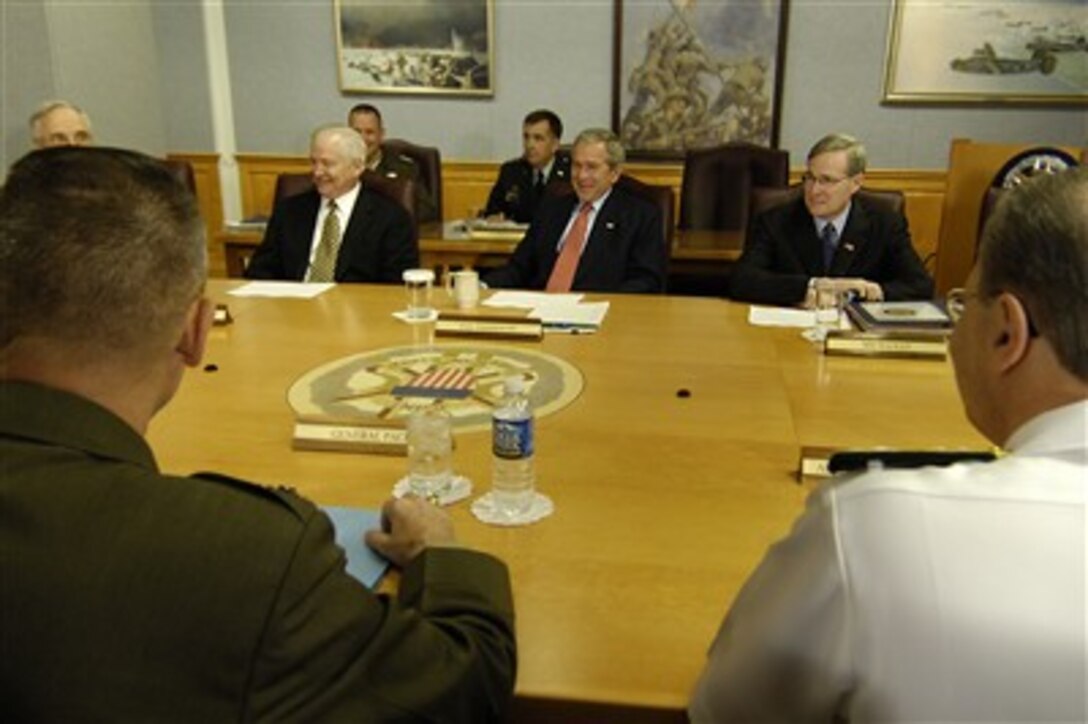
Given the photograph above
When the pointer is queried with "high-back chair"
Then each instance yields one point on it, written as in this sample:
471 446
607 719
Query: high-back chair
182 171
718 182
401 191
429 162
764 199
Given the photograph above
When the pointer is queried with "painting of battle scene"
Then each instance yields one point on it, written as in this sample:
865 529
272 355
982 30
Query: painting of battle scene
425 46
695 73
1007 51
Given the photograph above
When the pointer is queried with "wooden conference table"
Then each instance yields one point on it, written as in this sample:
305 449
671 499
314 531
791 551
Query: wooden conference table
664 503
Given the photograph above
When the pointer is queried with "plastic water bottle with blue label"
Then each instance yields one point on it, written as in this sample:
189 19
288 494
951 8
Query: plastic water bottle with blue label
512 475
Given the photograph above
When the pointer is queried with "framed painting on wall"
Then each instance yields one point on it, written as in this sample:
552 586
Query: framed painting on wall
690 74
987 51
439 46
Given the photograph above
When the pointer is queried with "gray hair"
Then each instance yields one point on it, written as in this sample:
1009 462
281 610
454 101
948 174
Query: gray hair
48 107
102 252
613 147
1035 246
348 141
856 157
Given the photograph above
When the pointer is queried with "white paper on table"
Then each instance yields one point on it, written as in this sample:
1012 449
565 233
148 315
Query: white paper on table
293 290
780 317
589 314
528 300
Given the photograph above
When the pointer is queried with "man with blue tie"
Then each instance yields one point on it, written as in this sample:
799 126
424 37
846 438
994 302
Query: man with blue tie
601 238
830 233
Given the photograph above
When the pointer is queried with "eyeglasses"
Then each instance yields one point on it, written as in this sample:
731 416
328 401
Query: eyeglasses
811 180
956 303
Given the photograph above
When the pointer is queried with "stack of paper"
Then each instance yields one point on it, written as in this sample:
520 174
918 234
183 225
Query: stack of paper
557 312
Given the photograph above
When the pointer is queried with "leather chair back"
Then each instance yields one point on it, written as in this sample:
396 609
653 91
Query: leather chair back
716 189
660 196
183 172
429 162
400 191
764 199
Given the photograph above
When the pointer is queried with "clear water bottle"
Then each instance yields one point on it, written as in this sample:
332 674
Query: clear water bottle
512 474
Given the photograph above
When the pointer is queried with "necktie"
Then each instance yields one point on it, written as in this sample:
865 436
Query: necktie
830 239
567 263
323 268
538 186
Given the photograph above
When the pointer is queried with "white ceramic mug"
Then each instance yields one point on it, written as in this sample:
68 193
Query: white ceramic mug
464 287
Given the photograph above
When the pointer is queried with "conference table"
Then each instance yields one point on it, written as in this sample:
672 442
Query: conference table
671 473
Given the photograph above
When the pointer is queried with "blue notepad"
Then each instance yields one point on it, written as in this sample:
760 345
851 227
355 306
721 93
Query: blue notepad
350 524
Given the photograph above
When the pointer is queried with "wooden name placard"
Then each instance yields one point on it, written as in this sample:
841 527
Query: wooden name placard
886 344
494 326
813 463
382 437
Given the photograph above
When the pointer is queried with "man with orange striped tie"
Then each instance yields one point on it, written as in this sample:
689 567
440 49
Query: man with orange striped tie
600 238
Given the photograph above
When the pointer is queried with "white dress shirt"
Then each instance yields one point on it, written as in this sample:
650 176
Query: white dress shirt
939 594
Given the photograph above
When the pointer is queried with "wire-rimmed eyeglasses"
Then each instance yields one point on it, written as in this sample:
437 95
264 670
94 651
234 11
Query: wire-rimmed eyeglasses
956 302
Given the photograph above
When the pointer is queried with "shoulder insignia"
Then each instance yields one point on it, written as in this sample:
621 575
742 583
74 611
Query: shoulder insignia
282 494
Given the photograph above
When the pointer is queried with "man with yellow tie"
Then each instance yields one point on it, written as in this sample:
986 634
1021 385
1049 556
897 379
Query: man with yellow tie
601 238
339 230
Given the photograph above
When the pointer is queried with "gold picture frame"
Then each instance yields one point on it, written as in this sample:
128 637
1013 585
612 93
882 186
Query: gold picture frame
987 52
688 75
444 47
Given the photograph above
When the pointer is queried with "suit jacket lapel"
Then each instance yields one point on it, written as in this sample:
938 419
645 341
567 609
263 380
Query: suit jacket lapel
599 242
853 238
809 248
354 228
302 237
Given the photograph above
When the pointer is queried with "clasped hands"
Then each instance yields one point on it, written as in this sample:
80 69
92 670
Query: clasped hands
839 287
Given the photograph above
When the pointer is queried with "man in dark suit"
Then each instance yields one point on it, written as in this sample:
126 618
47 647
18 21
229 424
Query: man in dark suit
131 595
522 181
830 238
366 119
339 231
601 238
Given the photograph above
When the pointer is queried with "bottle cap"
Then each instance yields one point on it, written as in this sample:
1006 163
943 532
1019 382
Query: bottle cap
514 385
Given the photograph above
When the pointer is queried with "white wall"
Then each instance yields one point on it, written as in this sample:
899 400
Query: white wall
139 68
99 55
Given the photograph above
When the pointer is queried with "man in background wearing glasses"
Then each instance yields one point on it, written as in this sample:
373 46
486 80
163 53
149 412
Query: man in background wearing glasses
958 593
830 233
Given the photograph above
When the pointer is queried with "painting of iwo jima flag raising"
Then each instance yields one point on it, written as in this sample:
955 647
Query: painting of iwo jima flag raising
698 74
